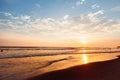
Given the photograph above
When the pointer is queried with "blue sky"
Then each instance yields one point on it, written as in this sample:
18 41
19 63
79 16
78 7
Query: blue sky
27 22
48 8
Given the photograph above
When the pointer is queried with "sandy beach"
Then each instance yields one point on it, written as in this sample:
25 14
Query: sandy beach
106 70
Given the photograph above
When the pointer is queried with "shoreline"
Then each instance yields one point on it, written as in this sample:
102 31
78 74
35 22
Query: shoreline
105 70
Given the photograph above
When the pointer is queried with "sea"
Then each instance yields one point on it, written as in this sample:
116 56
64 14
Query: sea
21 63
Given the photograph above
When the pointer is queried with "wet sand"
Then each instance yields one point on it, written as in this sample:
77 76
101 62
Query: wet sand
107 70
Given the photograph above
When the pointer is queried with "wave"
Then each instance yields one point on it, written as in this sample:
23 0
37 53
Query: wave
37 68
23 54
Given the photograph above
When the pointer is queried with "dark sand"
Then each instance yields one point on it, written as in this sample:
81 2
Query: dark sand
107 70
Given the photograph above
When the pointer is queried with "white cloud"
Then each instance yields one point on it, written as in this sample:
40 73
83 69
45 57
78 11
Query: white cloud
66 17
7 14
117 8
78 2
95 6
96 13
25 17
89 23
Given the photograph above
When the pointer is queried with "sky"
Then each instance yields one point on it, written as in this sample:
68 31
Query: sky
68 23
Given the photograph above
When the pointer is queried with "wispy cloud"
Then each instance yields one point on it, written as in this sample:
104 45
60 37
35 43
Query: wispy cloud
96 13
94 6
117 8
25 17
66 17
78 3
7 14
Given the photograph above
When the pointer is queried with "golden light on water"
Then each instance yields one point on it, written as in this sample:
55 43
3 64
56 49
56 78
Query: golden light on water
85 59
83 51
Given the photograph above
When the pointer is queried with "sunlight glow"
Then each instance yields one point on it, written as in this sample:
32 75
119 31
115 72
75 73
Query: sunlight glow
83 41
85 59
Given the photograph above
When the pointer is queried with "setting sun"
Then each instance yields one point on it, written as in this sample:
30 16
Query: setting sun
83 41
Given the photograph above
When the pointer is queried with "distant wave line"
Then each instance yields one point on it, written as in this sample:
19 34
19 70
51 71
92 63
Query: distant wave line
54 54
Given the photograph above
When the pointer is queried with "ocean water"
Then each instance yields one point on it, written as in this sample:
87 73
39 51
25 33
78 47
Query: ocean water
20 64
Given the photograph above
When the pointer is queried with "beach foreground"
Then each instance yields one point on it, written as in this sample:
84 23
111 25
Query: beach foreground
107 70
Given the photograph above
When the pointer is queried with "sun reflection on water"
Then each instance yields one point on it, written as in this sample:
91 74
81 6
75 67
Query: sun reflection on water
84 57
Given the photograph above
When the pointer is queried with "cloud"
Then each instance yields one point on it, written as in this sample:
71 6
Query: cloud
7 14
66 17
96 13
78 2
117 8
83 24
95 6
25 17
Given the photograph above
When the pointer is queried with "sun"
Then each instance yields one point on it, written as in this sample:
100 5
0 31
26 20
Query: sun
83 41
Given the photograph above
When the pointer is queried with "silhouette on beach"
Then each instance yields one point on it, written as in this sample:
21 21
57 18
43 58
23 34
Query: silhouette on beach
1 50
